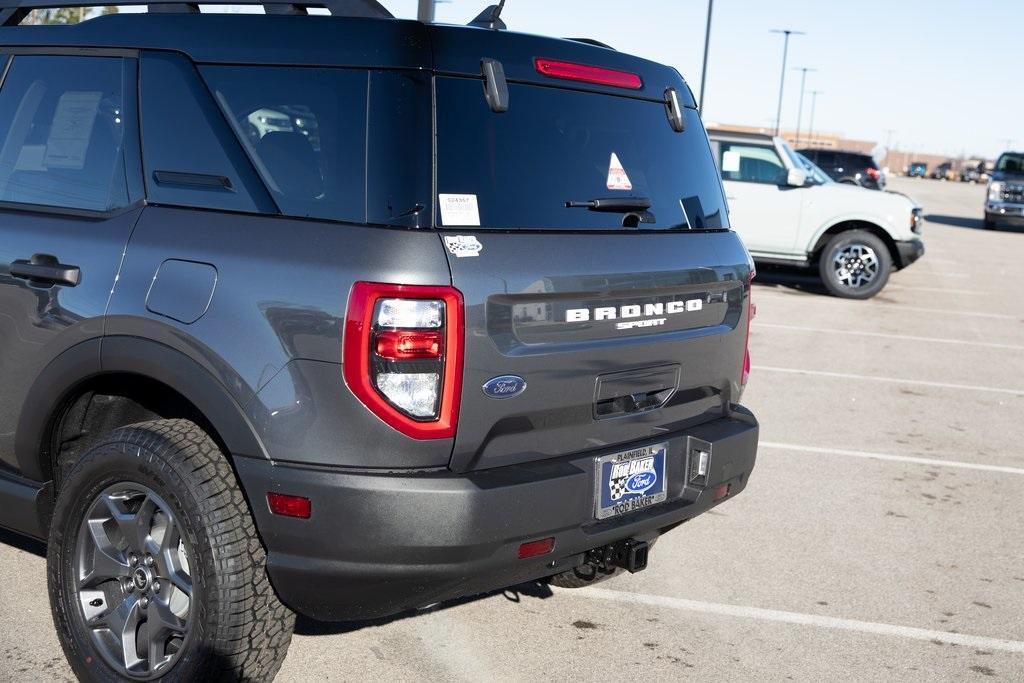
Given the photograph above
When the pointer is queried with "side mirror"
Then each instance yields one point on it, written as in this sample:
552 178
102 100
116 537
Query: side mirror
796 178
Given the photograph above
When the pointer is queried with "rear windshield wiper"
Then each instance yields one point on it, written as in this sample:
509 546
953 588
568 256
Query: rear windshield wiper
613 205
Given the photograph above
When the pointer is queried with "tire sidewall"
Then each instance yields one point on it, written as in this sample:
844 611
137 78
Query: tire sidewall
842 240
102 467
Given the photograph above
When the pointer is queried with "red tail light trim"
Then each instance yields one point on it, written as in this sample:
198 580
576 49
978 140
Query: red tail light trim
570 71
356 356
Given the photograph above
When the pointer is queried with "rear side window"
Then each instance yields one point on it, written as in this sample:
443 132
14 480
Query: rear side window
518 169
748 163
65 124
305 130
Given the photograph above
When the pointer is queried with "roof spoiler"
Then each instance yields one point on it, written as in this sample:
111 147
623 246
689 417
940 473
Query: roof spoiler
12 12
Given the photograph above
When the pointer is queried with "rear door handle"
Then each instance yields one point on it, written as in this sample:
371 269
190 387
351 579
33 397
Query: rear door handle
44 269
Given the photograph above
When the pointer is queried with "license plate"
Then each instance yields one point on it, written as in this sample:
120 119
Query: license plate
631 480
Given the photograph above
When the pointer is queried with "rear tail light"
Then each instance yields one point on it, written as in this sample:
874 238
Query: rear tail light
403 354
751 312
874 173
570 71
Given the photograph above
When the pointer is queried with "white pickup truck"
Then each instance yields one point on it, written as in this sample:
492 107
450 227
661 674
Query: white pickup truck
790 212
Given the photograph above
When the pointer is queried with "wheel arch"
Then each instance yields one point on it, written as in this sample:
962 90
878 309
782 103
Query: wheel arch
849 225
145 373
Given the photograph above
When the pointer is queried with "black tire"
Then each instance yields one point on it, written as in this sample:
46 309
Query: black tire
990 223
233 627
855 265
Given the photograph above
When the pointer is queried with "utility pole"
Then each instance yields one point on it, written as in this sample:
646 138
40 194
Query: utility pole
800 114
782 82
814 101
704 68
888 137
426 11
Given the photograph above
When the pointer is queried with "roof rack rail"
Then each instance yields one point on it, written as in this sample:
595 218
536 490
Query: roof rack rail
12 12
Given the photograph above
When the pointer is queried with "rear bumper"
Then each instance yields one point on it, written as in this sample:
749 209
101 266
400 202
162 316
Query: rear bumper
380 544
909 251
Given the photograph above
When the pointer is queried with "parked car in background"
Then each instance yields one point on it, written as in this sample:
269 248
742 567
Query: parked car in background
942 171
917 169
789 211
1005 202
852 168
973 171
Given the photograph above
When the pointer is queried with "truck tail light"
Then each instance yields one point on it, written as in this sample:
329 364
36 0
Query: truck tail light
751 312
874 173
570 71
403 353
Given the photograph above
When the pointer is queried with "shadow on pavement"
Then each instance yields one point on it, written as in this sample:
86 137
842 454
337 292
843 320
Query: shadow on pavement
305 626
22 543
789 278
972 223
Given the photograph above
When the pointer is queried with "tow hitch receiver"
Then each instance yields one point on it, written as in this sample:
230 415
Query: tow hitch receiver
629 554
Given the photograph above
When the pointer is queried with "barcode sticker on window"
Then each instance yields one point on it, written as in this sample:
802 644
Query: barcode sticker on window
459 210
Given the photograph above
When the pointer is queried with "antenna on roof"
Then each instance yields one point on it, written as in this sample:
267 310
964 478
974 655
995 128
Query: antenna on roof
491 18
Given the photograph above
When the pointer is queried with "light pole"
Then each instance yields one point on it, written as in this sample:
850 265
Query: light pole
704 68
800 114
810 129
782 82
426 11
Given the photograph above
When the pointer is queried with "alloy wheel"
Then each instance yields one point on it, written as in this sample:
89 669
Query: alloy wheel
856 265
133 581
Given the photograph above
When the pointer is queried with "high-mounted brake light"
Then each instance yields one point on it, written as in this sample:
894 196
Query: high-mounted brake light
570 71
403 354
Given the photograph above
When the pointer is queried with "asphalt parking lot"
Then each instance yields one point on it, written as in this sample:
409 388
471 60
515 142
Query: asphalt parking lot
880 537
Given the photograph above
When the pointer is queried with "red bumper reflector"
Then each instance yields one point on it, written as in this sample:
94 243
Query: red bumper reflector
399 345
722 491
290 506
536 548
570 71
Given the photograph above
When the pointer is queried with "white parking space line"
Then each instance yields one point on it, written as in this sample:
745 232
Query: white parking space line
931 462
760 614
942 290
891 380
896 307
883 335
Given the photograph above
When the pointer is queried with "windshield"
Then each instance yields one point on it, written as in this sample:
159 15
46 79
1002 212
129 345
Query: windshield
570 160
1011 162
813 172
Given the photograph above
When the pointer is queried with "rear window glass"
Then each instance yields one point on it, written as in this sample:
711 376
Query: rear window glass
517 170
305 129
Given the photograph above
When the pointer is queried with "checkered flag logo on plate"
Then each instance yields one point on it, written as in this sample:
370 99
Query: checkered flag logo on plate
617 488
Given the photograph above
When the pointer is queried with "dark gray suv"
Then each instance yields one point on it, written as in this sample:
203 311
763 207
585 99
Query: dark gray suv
346 316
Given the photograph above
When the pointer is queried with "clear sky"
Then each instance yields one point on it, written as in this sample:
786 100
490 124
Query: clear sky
944 75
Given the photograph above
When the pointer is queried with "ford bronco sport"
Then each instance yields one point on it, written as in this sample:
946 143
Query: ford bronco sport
346 316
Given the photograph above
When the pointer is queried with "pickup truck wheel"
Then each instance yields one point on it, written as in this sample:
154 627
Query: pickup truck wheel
855 265
155 570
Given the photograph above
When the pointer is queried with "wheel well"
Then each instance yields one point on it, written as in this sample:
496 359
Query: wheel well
105 403
846 226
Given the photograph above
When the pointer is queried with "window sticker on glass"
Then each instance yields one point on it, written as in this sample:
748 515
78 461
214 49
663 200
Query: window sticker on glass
617 178
459 210
730 162
71 129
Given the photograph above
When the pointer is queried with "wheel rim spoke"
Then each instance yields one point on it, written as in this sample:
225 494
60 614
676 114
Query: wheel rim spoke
134 584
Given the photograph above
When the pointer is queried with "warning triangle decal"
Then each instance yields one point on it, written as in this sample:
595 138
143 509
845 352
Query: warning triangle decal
617 178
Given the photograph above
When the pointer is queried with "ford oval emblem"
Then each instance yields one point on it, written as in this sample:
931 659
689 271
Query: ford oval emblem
505 386
641 482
